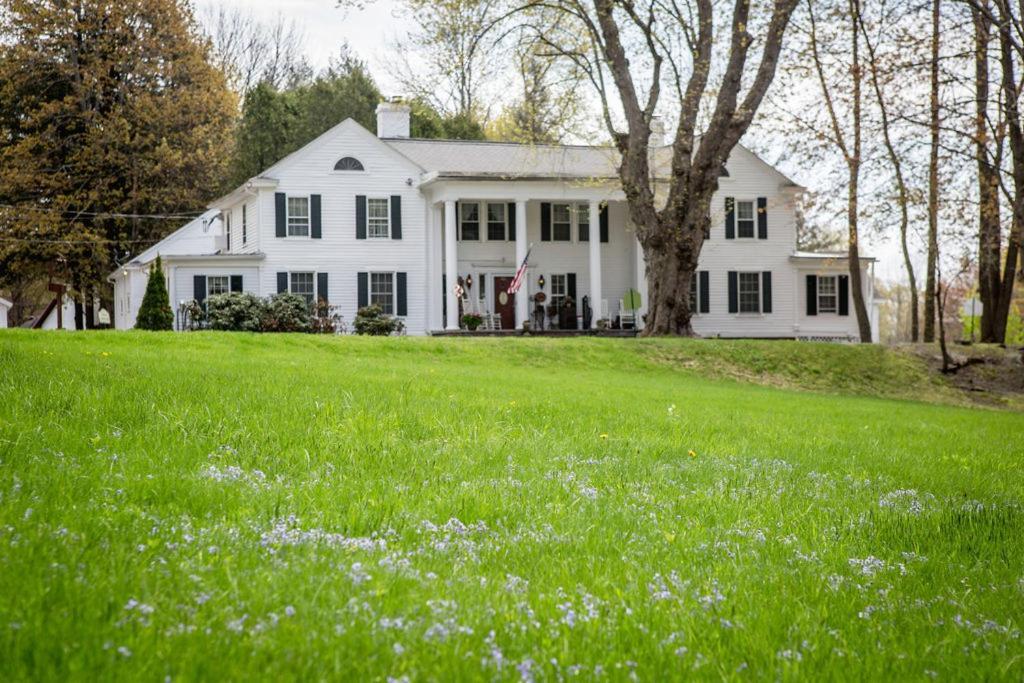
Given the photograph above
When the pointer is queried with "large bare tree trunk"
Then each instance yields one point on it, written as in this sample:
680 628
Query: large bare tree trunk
671 237
933 184
989 235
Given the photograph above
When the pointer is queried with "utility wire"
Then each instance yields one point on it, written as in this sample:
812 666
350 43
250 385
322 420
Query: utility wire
107 214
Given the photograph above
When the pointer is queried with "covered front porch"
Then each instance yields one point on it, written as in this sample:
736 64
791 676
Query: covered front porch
585 269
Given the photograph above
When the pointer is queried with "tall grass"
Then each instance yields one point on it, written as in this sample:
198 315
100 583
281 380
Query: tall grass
212 506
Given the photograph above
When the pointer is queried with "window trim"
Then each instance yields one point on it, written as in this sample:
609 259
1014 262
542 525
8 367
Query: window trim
739 293
572 221
835 294
209 284
288 217
361 169
227 228
387 205
394 289
753 219
312 274
462 219
565 279
486 236
245 226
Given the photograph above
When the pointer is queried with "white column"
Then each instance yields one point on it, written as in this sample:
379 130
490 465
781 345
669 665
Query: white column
594 247
451 266
641 283
522 245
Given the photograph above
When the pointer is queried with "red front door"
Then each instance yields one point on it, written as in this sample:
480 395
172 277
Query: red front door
504 303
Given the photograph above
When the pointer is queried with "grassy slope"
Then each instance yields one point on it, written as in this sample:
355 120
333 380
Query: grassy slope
571 461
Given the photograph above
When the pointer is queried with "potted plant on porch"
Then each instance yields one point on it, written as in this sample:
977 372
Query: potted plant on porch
472 321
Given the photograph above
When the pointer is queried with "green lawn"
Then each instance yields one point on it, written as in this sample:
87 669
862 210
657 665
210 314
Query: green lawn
210 506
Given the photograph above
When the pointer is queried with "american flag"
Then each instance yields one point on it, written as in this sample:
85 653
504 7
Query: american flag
517 281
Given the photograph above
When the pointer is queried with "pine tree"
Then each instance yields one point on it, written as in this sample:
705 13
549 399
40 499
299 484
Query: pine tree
155 312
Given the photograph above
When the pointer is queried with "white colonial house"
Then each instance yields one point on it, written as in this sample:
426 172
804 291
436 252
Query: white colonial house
357 218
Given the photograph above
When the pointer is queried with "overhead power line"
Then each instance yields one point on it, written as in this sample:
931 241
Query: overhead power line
108 214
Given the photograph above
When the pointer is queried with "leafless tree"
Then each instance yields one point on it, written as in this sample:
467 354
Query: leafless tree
642 57
250 51
451 57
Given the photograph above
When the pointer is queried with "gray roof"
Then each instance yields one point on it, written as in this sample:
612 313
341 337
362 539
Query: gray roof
508 160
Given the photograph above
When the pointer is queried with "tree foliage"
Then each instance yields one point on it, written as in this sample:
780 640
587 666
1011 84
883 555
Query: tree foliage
155 311
109 113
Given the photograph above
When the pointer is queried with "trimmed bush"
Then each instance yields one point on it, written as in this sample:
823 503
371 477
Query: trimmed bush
372 321
286 312
235 312
155 312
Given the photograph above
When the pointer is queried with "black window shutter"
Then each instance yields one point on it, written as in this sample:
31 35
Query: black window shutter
363 287
766 292
281 213
282 282
570 285
812 295
402 303
199 288
604 223
511 214
315 224
734 301
361 217
236 283
730 218
545 222
762 218
321 287
705 292
844 295
396 216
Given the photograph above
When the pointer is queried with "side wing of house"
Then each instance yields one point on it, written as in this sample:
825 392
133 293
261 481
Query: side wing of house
750 281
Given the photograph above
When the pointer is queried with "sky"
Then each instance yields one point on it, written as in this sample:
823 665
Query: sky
368 32
326 28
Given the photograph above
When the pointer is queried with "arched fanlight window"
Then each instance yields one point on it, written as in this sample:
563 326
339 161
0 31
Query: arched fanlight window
349 164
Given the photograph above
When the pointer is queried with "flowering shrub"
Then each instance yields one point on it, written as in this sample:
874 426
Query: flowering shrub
286 312
326 319
371 320
235 312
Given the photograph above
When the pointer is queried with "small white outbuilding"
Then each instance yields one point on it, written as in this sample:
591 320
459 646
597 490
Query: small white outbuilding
5 306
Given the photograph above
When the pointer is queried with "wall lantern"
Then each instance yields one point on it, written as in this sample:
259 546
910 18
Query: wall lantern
540 282
469 281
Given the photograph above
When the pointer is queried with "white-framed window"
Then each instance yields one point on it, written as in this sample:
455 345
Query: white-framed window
497 223
218 284
750 292
378 218
559 289
298 216
583 222
561 223
304 285
828 294
382 291
469 219
245 225
745 219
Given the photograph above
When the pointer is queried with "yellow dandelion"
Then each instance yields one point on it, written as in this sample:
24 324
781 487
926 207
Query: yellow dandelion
693 454
604 436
